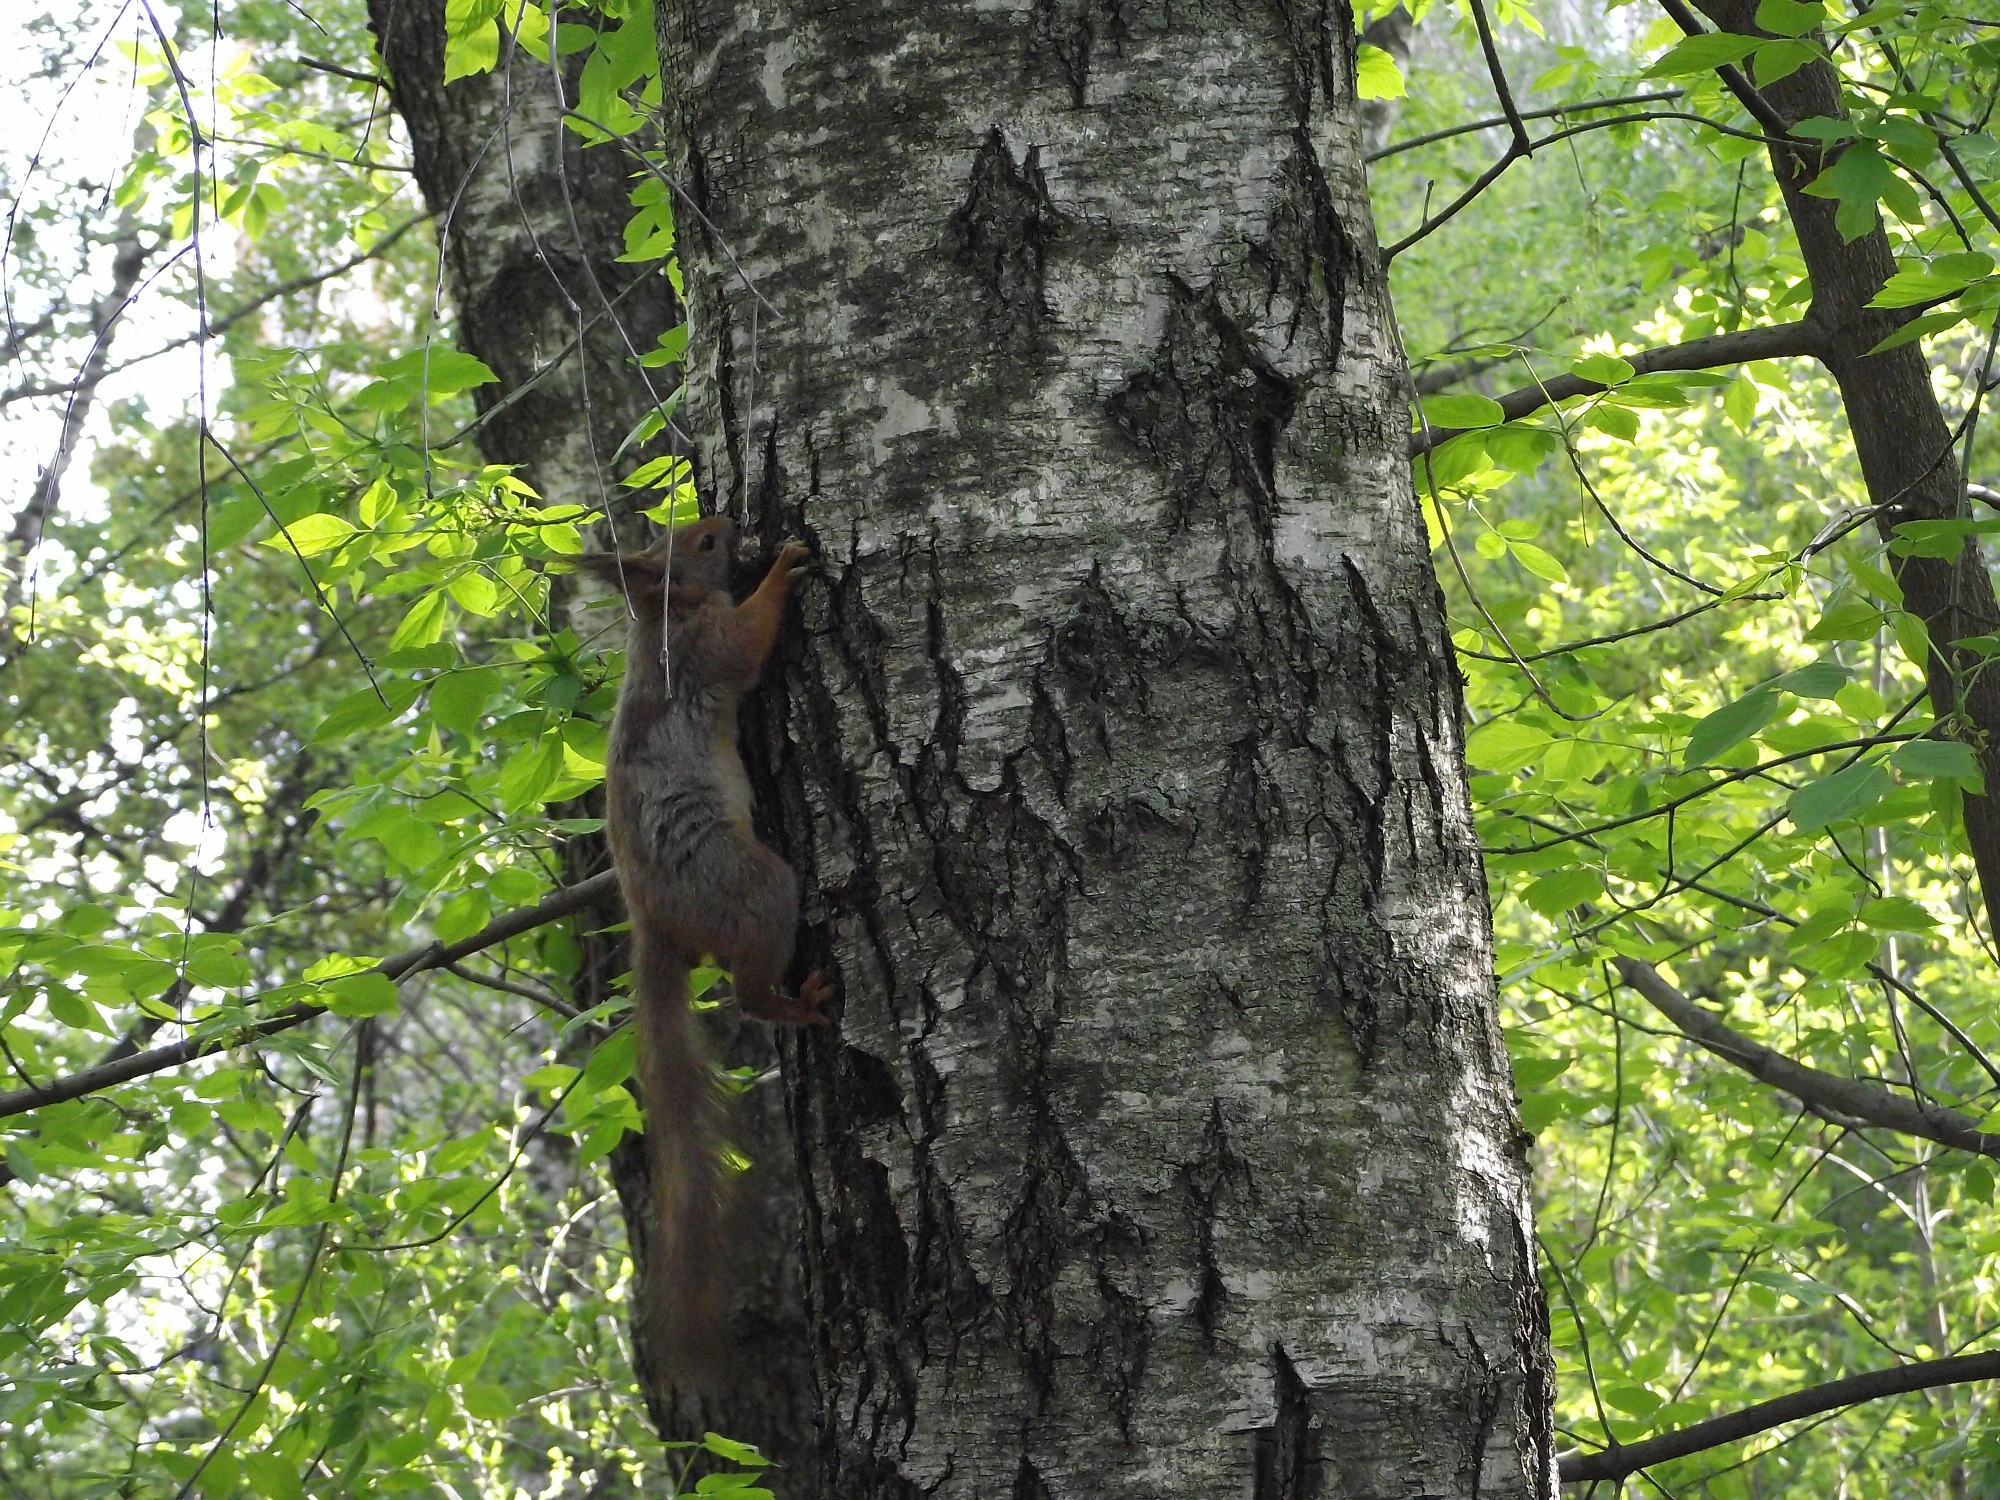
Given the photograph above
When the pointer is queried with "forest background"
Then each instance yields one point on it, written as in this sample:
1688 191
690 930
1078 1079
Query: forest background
286 715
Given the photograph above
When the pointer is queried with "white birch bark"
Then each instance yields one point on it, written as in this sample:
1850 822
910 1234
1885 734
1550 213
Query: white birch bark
1166 1144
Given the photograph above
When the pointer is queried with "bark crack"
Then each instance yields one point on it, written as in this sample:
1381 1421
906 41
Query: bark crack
1288 1460
1001 233
1208 409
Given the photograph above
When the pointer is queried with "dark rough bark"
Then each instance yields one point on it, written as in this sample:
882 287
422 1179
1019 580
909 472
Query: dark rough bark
531 224
1900 437
1165 1143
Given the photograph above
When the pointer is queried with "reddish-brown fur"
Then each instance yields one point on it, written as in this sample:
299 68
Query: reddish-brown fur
696 883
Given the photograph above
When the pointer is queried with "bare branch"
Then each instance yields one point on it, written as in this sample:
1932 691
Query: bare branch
1852 1100
1517 151
1554 112
1501 90
508 986
1771 341
126 268
400 966
1616 1462
322 66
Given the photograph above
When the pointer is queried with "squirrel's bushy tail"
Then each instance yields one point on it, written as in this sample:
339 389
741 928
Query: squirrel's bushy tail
682 1288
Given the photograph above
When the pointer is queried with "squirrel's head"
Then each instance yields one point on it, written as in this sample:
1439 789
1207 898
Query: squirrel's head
684 567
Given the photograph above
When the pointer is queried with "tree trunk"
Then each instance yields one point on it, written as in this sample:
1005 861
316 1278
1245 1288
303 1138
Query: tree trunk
530 226
1166 1143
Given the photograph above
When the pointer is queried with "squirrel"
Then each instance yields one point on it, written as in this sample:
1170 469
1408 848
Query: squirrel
696 882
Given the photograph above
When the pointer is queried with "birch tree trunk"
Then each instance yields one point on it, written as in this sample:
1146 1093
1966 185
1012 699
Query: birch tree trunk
1166 1143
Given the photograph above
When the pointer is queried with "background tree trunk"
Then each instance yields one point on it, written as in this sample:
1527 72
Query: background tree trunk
531 225
1166 1142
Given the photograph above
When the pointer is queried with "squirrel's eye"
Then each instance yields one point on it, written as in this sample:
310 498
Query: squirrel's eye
708 544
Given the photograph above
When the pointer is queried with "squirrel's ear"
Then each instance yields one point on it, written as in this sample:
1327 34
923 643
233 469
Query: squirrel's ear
624 571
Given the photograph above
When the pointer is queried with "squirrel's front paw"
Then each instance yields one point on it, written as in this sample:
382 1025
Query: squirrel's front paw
793 555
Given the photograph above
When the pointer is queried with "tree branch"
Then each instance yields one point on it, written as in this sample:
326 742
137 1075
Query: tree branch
1552 113
1771 341
1733 77
235 315
127 265
1502 91
1852 1100
1615 1463
400 966
320 65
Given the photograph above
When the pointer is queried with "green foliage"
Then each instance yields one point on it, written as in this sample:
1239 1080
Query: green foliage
294 687
1699 733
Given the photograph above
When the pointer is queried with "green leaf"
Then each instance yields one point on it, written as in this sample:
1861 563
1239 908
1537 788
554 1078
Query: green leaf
735 1452
672 350
1376 74
1945 539
461 916
1848 618
229 521
365 710
458 699
1896 914
1823 679
1701 54
407 838
1506 745
441 371
1635 1399
475 51
1876 581
21 1161
1605 369
1729 726
1520 448
476 593
1914 638
1781 59
454 1156
422 625
311 535
359 995
272 1477
529 772
1739 402
611 1061
1911 288
1538 562
1820 926
1531 1073
1452 460
488 1402
1858 180
1845 793
1614 421
1940 760
1919 328
1463 411
1978 1181
1788 18
1563 891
